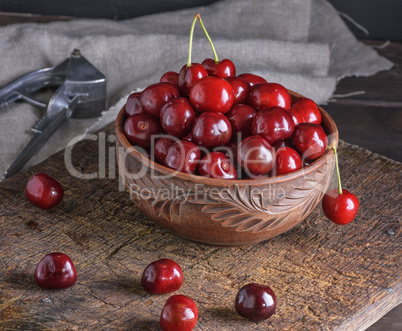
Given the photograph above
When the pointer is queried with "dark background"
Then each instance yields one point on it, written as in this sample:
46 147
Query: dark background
382 18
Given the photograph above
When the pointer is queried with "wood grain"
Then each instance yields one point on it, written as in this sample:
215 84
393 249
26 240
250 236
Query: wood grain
326 277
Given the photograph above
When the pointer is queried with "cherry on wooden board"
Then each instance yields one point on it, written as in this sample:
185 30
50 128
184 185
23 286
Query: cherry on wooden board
44 191
180 313
339 205
162 276
255 302
340 208
55 271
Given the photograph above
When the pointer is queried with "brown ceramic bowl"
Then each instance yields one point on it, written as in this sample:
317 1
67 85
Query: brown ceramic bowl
224 212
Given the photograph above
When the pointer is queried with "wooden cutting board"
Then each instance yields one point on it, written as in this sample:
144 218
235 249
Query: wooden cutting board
325 277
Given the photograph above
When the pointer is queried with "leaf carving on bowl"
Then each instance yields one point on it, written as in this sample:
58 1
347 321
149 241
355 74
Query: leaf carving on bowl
243 207
246 209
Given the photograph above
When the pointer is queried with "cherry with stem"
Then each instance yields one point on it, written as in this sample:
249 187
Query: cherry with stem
190 73
216 68
339 205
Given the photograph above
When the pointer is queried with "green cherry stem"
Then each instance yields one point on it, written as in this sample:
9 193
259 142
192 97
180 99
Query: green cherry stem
190 43
216 59
337 170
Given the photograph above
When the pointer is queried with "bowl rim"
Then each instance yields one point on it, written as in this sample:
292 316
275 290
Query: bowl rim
228 182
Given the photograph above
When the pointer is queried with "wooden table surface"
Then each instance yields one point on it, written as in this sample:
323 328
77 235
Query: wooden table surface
325 277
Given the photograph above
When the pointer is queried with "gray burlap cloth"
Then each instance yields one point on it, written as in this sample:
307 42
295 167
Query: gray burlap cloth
302 44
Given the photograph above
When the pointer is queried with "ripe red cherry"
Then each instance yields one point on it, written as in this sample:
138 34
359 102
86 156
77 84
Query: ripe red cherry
139 129
171 77
183 156
215 67
241 89
256 302
212 94
310 140
155 96
273 124
256 156
177 117
304 110
221 69
161 148
252 79
44 191
180 313
133 104
211 129
188 76
267 95
162 276
240 118
287 160
217 165
55 271
340 208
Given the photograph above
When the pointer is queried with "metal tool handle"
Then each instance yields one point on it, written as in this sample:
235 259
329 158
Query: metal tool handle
24 86
44 129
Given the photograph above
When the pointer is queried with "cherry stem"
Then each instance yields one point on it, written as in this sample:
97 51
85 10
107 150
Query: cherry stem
337 170
216 59
190 43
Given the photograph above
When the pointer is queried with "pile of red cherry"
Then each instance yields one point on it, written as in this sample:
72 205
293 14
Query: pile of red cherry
205 120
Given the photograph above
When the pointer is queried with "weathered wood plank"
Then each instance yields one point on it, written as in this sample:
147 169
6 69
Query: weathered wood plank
326 277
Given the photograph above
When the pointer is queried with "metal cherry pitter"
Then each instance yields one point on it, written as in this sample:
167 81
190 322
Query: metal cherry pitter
81 93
